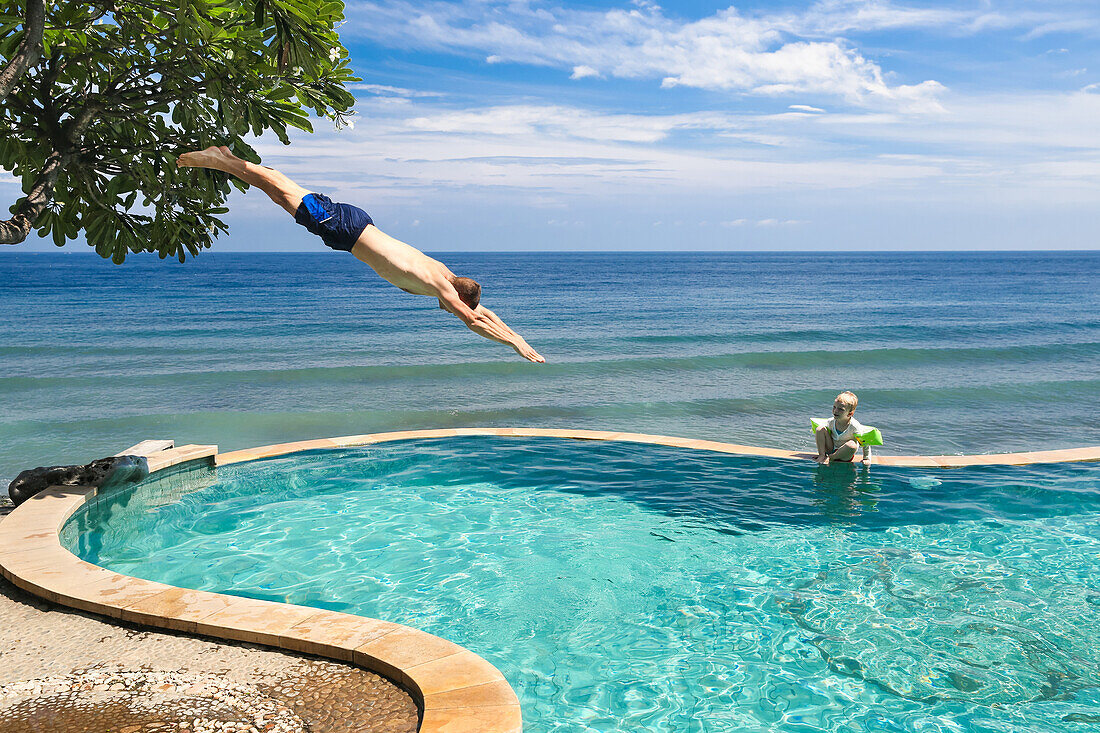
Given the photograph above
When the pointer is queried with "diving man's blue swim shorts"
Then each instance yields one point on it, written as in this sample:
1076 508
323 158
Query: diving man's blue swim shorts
338 225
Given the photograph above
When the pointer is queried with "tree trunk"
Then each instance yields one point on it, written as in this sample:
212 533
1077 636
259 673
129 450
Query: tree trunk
16 229
30 50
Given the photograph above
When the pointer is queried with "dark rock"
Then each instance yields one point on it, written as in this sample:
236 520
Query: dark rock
104 472
30 482
115 471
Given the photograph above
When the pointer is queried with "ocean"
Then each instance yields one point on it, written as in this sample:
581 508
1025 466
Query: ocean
948 352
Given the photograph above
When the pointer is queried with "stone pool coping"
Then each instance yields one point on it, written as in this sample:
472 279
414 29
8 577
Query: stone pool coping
457 691
1091 453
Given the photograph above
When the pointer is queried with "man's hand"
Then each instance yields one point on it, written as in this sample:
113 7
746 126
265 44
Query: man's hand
523 349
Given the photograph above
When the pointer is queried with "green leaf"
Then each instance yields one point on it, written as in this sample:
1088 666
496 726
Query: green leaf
175 44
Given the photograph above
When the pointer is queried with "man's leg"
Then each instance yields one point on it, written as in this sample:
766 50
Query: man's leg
283 191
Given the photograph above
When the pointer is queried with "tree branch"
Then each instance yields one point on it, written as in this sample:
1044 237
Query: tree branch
30 50
125 101
17 228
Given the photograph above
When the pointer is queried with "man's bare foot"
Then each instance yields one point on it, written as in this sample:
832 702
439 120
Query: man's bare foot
211 157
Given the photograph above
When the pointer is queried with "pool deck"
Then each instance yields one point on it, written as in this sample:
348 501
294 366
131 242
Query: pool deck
456 690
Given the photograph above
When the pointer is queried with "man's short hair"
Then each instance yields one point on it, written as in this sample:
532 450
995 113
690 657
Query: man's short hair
847 399
469 292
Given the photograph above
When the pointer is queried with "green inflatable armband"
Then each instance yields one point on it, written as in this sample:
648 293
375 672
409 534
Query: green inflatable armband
868 436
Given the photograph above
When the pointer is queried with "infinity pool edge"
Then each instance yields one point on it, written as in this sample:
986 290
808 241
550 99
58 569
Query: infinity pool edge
1064 455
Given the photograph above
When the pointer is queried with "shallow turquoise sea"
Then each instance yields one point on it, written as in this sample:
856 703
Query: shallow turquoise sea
948 352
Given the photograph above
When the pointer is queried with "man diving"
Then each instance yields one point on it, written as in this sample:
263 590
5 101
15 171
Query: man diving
350 229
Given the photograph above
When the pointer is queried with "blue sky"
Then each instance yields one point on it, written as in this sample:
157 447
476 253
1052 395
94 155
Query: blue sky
835 125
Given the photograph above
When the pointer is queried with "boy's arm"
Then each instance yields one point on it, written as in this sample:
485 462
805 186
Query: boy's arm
866 454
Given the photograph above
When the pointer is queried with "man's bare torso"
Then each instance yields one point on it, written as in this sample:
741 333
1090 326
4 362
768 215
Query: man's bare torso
400 264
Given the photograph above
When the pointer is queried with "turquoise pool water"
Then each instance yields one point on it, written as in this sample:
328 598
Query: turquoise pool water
625 587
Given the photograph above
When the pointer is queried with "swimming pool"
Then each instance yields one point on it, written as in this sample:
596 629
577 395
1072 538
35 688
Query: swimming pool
635 587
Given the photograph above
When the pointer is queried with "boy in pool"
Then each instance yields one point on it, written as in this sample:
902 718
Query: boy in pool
350 229
836 437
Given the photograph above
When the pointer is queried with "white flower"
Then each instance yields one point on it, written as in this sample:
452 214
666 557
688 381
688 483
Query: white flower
229 54
297 71
333 54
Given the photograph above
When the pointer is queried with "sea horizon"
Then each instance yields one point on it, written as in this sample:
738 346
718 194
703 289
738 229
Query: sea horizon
240 350
69 249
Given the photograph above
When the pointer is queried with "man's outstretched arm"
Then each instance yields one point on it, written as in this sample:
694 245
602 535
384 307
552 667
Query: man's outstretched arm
484 322
517 342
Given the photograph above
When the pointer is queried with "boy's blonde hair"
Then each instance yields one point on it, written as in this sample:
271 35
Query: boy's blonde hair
847 399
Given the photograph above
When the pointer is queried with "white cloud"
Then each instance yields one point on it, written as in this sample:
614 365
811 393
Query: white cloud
1073 25
832 17
806 108
556 156
385 90
568 122
726 51
1085 170
996 128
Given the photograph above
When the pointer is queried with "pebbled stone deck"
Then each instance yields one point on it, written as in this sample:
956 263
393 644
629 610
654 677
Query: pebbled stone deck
62 671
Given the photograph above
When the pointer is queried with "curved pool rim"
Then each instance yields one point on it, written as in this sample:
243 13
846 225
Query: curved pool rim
1064 455
455 688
